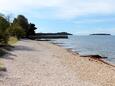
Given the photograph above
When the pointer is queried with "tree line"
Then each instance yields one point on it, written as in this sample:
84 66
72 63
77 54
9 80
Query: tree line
19 28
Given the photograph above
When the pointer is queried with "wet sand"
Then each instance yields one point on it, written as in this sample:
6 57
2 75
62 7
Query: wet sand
39 63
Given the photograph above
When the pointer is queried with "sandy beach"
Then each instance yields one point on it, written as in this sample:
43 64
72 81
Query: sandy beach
39 63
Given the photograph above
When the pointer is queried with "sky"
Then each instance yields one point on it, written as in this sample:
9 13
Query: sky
80 17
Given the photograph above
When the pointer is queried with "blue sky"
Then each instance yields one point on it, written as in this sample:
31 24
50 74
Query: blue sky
75 16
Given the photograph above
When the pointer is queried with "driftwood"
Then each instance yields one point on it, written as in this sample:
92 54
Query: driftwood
98 58
94 56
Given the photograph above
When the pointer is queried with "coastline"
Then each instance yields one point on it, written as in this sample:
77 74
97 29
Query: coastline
39 63
101 59
101 62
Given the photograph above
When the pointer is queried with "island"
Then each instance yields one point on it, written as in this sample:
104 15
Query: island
100 34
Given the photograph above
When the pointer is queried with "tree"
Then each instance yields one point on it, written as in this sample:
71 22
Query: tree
16 30
28 28
4 24
31 30
23 22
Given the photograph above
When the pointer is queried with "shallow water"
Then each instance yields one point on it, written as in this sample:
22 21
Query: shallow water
103 45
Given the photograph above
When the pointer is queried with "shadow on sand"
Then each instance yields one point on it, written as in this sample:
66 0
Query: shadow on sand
6 54
23 48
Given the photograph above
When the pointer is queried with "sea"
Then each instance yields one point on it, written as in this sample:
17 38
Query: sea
103 45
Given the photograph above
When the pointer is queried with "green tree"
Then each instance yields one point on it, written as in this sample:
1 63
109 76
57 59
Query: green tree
31 29
23 22
16 30
4 24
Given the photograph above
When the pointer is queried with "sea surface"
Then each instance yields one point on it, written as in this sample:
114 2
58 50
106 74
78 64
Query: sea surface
103 45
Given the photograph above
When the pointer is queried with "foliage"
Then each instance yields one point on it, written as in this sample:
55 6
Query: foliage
18 28
31 29
23 22
4 24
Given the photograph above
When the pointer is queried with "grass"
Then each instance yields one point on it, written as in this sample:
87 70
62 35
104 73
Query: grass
2 67
12 40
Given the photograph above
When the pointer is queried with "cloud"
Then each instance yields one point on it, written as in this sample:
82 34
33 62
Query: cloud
62 9
75 8
27 4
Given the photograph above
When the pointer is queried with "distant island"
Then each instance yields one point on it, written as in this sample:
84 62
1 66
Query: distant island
100 34
52 35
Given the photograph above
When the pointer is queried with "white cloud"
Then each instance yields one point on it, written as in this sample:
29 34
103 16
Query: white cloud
77 8
63 9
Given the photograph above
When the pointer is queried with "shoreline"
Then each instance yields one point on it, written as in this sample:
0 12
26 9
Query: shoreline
97 62
40 63
103 60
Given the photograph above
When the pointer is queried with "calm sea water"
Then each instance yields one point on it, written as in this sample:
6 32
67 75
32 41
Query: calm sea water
103 45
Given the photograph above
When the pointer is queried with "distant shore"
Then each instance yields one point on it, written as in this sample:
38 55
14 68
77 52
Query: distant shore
52 35
100 34
39 63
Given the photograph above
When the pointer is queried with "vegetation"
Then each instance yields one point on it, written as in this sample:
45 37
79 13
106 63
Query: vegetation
2 67
12 40
4 24
10 32
19 28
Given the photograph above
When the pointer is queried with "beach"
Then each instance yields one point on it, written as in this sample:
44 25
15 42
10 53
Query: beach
39 63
